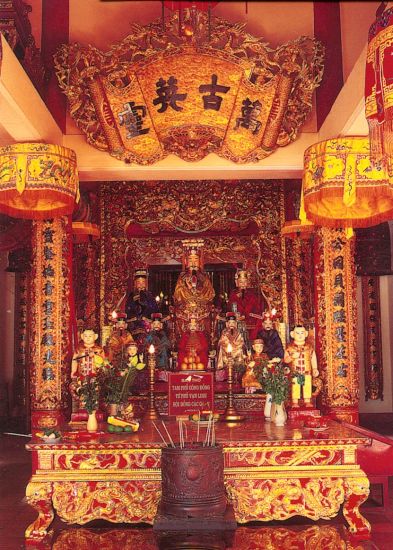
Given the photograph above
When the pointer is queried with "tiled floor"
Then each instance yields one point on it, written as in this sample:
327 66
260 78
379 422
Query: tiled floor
16 514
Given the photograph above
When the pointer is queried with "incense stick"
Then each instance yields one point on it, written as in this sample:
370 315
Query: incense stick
199 421
206 442
168 434
162 437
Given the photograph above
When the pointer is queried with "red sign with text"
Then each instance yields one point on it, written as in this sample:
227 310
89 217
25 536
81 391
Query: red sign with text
190 392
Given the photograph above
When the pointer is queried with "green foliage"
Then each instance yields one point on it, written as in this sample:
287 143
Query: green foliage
88 392
111 383
115 383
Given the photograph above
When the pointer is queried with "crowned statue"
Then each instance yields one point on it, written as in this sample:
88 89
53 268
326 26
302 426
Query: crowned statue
194 291
140 305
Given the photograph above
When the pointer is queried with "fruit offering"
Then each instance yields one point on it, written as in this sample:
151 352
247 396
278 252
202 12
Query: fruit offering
192 362
49 434
118 425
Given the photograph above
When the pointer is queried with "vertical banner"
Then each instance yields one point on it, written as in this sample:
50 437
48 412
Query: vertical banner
373 366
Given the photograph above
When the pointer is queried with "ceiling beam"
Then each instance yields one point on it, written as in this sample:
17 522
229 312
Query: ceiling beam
23 114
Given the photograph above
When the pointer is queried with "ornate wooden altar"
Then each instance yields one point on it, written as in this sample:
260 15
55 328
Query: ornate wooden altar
271 473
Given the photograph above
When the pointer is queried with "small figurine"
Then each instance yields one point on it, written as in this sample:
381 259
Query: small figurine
249 380
230 335
88 356
87 360
262 363
118 341
301 358
158 337
131 371
193 348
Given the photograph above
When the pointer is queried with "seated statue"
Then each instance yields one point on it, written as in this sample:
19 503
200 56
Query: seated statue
140 305
193 348
271 339
230 335
120 338
302 360
162 345
87 360
194 291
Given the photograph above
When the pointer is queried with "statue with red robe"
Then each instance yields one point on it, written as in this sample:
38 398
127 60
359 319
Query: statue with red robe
244 301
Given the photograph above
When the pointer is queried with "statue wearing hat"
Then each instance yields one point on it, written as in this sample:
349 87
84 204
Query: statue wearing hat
270 336
230 335
139 306
162 345
194 291
245 301
118 341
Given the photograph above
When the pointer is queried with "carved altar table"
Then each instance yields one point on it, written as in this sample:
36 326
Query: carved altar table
271 473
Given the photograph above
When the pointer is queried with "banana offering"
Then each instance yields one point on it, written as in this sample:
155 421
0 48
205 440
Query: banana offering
117 425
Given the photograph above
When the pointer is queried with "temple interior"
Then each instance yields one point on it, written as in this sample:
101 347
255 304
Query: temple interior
196 216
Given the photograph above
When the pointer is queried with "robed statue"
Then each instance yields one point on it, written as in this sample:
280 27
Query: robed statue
194 291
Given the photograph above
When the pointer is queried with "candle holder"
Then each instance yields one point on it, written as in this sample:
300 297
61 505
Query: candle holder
152 412
231 413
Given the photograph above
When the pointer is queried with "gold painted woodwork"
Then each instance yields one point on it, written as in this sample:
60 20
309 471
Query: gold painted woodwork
50 395
187 207
265 480
322 537
120 502
335 273
98 85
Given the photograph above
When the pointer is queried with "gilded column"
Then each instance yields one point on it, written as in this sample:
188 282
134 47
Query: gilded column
50 335
336 321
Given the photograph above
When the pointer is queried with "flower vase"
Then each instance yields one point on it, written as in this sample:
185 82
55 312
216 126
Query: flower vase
278 414
268 407
92 424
